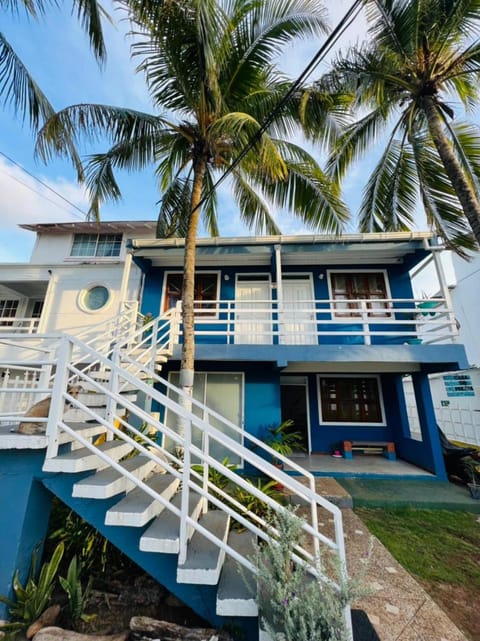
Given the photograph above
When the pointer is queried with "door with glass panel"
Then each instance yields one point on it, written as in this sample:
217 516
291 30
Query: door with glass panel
297 312
253 316
221 392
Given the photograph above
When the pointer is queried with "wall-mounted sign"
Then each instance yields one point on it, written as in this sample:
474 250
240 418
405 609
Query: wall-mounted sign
458 385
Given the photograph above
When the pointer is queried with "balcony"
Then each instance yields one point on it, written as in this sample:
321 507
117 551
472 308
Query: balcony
13 325
379 321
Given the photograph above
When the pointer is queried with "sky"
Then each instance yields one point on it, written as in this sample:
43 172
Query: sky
56 52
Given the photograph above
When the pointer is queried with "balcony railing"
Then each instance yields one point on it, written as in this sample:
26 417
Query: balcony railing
322 322
13 325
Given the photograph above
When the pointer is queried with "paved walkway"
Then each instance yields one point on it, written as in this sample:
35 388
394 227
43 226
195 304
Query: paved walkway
397 607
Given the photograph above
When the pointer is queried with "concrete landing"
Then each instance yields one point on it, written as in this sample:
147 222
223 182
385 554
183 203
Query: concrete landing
425 494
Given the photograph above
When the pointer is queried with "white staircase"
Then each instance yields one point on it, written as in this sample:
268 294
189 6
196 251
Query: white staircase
157 491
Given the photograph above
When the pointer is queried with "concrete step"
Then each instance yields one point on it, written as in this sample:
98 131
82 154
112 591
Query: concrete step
138 508
79 416
97 399
205 559
236 594
110 482
87 430
84 459
163 534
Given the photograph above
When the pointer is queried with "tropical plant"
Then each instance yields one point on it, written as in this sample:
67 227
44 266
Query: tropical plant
77 594
32 599
209 68
419 57
283 439
17 86
251 503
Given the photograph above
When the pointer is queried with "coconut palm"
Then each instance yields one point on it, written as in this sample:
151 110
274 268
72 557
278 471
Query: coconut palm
17 86
209 69
420 57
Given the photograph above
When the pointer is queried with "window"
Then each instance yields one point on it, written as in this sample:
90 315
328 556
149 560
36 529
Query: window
94 298
206 288
356 287
350 400
98 245
8 309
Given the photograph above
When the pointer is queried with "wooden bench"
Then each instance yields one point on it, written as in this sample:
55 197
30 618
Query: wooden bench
386 447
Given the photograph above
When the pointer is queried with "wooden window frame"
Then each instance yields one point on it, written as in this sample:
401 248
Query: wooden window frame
201 312
352 310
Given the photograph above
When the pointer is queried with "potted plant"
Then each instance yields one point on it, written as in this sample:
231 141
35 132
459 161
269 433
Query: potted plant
473 469
283 440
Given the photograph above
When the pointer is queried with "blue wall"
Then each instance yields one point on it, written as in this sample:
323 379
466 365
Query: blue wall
24 513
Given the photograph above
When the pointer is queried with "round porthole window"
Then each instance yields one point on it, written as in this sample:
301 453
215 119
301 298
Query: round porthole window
95 298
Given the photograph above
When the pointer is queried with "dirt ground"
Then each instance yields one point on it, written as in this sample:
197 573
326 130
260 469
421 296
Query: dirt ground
460 604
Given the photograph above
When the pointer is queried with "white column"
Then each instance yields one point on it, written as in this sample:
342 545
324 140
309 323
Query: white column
445 292
125 280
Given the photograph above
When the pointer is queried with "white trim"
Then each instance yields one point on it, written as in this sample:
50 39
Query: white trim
241 277
383 423
84 291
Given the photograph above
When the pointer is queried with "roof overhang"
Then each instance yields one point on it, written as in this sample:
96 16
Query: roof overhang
382 248
132 227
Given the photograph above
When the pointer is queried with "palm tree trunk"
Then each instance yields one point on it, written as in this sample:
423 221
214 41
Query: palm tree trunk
464 191
187 366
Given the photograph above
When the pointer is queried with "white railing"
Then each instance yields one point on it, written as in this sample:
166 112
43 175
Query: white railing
18 325
330 321
202 428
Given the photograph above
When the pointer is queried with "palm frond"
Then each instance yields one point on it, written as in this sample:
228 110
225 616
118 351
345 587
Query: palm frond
254 210
174 213
90 14
18 87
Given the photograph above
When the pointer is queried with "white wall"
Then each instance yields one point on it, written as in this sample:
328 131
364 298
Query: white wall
466 303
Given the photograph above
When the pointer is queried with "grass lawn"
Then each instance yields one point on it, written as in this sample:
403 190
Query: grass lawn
441 550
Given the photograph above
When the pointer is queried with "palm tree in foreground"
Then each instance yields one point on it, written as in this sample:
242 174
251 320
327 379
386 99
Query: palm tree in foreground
420 56
17 86
208 67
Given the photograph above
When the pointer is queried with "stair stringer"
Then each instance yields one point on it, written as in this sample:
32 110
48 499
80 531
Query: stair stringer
161 567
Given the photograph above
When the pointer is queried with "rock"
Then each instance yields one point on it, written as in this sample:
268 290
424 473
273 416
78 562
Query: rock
165 631
59 634
48 618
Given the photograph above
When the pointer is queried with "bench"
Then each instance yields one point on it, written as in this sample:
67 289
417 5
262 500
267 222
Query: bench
386 447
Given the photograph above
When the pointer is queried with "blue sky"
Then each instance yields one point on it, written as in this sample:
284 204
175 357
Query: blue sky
56 52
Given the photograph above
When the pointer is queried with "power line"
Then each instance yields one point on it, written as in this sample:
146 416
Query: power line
35 191
44 184
344 23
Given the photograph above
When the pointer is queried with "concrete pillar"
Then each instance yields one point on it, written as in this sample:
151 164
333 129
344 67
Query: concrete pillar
25 507
428 424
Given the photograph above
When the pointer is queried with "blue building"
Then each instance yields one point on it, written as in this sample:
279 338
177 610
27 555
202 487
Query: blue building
315 329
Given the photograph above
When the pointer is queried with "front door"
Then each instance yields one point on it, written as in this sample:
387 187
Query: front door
294 405
253 316
297 319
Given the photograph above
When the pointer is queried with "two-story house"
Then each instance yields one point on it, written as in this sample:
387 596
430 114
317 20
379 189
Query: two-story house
315 329
320 330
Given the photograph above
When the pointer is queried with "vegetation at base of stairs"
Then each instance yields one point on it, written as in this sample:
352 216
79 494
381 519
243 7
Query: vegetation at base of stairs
32 600
94 552
293 605
441 550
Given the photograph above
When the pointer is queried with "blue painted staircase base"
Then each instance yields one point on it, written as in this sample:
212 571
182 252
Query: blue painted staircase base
162 567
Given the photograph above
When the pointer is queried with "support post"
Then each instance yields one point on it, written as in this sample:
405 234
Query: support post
428 423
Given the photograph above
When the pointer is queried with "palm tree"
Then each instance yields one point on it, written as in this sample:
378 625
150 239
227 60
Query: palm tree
419 57
17 86
208 68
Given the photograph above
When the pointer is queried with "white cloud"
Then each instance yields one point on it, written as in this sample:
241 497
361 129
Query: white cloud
26 201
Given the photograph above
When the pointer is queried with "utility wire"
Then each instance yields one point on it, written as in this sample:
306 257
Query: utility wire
39 193
44 184
344 23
